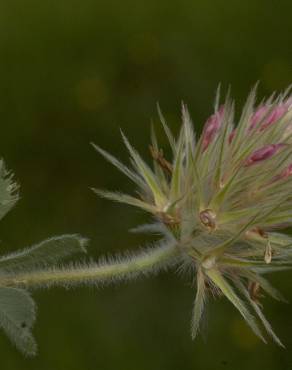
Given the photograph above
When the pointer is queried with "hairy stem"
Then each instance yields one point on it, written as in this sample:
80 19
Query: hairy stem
149 261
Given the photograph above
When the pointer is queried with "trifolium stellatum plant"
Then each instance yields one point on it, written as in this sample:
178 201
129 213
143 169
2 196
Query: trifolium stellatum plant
220 205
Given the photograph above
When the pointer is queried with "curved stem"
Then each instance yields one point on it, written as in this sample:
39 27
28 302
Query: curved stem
149 261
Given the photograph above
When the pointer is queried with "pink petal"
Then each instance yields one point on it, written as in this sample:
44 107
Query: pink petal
277 113
262 154
212 126
258 116
231 136
284 174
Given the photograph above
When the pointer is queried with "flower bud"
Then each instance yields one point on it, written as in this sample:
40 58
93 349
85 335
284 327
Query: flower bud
208 219
263 153
284 174
276 113
258 116
212 126
268 253
231 136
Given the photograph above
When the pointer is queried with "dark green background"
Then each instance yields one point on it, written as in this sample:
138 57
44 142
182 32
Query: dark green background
72 72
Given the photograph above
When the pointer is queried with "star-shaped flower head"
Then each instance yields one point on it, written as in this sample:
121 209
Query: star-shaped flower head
222 199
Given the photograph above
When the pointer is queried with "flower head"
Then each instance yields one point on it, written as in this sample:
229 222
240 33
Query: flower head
220 199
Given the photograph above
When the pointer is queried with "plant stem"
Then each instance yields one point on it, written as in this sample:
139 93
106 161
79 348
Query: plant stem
149 261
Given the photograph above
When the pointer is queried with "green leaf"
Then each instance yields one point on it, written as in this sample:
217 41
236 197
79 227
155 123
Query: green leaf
120 166
8 190
17 316
244 121
45 253
157 168
221 248
127 199
229 293
167 131
260 314
223 143
265 285
177 174
190 137
147 174
199 303
156 228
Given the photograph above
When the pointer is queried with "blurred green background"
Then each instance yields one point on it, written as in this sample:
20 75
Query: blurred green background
73 72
